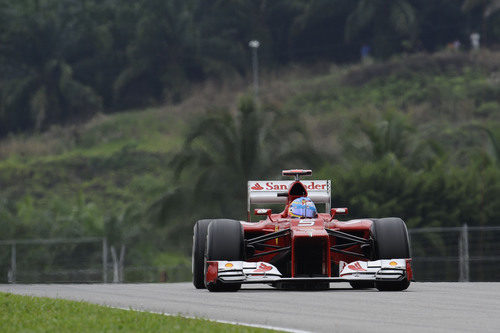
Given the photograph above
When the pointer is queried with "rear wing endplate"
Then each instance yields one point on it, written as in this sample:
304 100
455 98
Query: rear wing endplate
266 192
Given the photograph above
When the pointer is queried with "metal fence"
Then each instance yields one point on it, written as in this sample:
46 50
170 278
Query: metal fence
439 254
54 260
77 260
456 254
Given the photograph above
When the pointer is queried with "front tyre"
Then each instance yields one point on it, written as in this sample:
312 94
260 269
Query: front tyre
391 242
362 284
392 285
224 242
198 255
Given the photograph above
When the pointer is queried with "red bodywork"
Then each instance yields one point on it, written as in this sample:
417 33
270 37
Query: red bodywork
307 247
316 233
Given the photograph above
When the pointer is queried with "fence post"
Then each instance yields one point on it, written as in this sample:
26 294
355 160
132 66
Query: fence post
13 264
121 263
115 265
104 260
463 255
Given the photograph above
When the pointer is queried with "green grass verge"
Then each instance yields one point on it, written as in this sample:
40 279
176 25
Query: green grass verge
38 314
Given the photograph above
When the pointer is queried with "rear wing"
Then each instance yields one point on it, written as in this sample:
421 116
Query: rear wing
266 192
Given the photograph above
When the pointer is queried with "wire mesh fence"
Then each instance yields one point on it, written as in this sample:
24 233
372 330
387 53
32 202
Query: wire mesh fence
439 254
77 260
456 254
61 260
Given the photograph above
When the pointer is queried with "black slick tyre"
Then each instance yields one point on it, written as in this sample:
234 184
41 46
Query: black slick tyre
362 284
224 242
198 254
391 242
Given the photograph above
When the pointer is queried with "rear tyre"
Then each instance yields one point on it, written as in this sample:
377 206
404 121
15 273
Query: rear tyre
224 242
391 242
198 255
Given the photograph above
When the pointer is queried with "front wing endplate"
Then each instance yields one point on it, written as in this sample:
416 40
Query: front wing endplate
263 272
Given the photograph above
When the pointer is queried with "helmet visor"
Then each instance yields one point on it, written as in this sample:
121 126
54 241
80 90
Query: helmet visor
302 208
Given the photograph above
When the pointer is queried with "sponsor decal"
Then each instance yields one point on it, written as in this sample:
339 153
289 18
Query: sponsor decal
342 265
306 223
393 263
312 186
276 228
263 268
276 187
315 186
257 187
229 265
283 186
356 267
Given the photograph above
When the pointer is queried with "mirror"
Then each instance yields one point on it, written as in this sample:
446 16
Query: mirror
335 211
262 211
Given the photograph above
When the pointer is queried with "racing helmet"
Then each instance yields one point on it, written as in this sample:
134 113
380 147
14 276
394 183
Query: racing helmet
302 207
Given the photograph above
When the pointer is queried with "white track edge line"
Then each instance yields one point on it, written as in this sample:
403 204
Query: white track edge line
291 330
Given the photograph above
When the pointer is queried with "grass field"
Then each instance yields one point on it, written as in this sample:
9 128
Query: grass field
36 314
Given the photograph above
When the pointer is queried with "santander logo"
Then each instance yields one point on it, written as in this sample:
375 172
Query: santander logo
257 187
356 267
283 186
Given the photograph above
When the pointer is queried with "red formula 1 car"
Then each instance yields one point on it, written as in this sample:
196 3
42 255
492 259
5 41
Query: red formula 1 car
290 252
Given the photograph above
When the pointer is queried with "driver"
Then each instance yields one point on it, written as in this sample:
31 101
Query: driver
302 207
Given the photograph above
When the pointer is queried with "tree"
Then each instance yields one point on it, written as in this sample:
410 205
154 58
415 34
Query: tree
488 18
318 31
223 151
102 30
394 137
384 23
39 87
493 149
488 7
176 43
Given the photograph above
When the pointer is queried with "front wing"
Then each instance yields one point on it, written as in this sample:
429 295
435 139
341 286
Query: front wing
227 272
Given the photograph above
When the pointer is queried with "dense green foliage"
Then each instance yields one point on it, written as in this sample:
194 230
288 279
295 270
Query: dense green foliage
65 60
405 133
37 314
415 137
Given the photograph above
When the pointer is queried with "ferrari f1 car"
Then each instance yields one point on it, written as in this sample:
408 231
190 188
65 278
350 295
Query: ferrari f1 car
308 251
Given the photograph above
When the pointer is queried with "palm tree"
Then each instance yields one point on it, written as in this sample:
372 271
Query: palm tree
39 87
489 7
493 149
318 29
222 151
163 44
177 42
383 22
391 135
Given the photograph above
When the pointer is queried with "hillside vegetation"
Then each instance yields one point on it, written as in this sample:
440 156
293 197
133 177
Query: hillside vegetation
416 137
66 60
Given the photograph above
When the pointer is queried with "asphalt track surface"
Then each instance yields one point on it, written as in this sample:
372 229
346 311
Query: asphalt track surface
424 307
